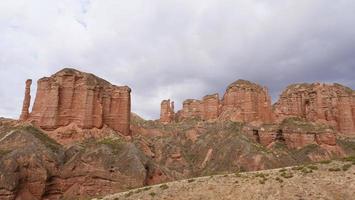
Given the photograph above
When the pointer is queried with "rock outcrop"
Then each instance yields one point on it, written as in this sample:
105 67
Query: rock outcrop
329 104
245 101
167 113
71 96
33 166
26 101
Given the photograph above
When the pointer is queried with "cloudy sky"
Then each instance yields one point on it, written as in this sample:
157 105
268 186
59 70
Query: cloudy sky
176 49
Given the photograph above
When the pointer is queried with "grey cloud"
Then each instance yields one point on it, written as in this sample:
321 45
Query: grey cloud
176 49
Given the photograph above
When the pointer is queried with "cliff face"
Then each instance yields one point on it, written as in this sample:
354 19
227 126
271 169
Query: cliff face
245 101
167 111
71 96
330 104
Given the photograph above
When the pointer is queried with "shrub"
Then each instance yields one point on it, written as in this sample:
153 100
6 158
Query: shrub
334 169
286 175
164 186
190 180
312 167
279 179
283 170
306 170
325 161
297 168
346 167
152 194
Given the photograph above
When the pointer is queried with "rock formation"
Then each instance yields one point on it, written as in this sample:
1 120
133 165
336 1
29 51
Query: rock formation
71 96
26 101
245 101
167 113
211 107
330 104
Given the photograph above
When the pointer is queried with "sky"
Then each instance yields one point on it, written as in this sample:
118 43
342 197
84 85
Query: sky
175 49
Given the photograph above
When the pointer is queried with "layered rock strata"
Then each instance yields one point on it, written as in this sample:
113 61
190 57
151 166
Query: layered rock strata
329 104
26 101
71 96
243 101
167 113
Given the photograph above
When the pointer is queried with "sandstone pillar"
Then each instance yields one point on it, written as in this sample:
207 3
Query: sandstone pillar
26 101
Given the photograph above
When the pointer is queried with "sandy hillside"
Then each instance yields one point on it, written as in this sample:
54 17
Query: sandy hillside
327 180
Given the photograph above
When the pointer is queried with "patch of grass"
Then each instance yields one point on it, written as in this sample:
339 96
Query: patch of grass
152 194
346 167
299 168
4 152
128 194
306 170
190 180
334 169
325 161
48 142
279 179
286 174
164 187
114 143
146 188
261 175
282 170
349 159
312 167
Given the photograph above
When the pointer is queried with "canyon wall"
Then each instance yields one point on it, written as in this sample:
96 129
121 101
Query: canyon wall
71 96
329 104
167 113
243 101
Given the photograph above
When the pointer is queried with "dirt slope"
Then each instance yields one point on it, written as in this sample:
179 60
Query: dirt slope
333 180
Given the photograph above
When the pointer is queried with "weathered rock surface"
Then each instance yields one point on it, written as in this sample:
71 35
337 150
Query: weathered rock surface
167 113
329 104
33 166
71 96
245 101
26 101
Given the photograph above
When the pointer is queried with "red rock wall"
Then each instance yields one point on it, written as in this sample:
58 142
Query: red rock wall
246 102
26 101
167 113
191 108
331 104
70 96
211 107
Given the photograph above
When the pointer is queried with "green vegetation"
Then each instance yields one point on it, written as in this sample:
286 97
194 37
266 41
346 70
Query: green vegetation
279 179
146 188
114 143
298 168
164 187
286 174
4 152
48 142
312 167
282 170
190 180
346 167
325 161
334 169
307 170
304 125
128 194
152 194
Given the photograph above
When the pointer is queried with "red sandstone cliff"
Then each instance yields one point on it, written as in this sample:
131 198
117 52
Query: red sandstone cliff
74 97
167 113
243 101
330 104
